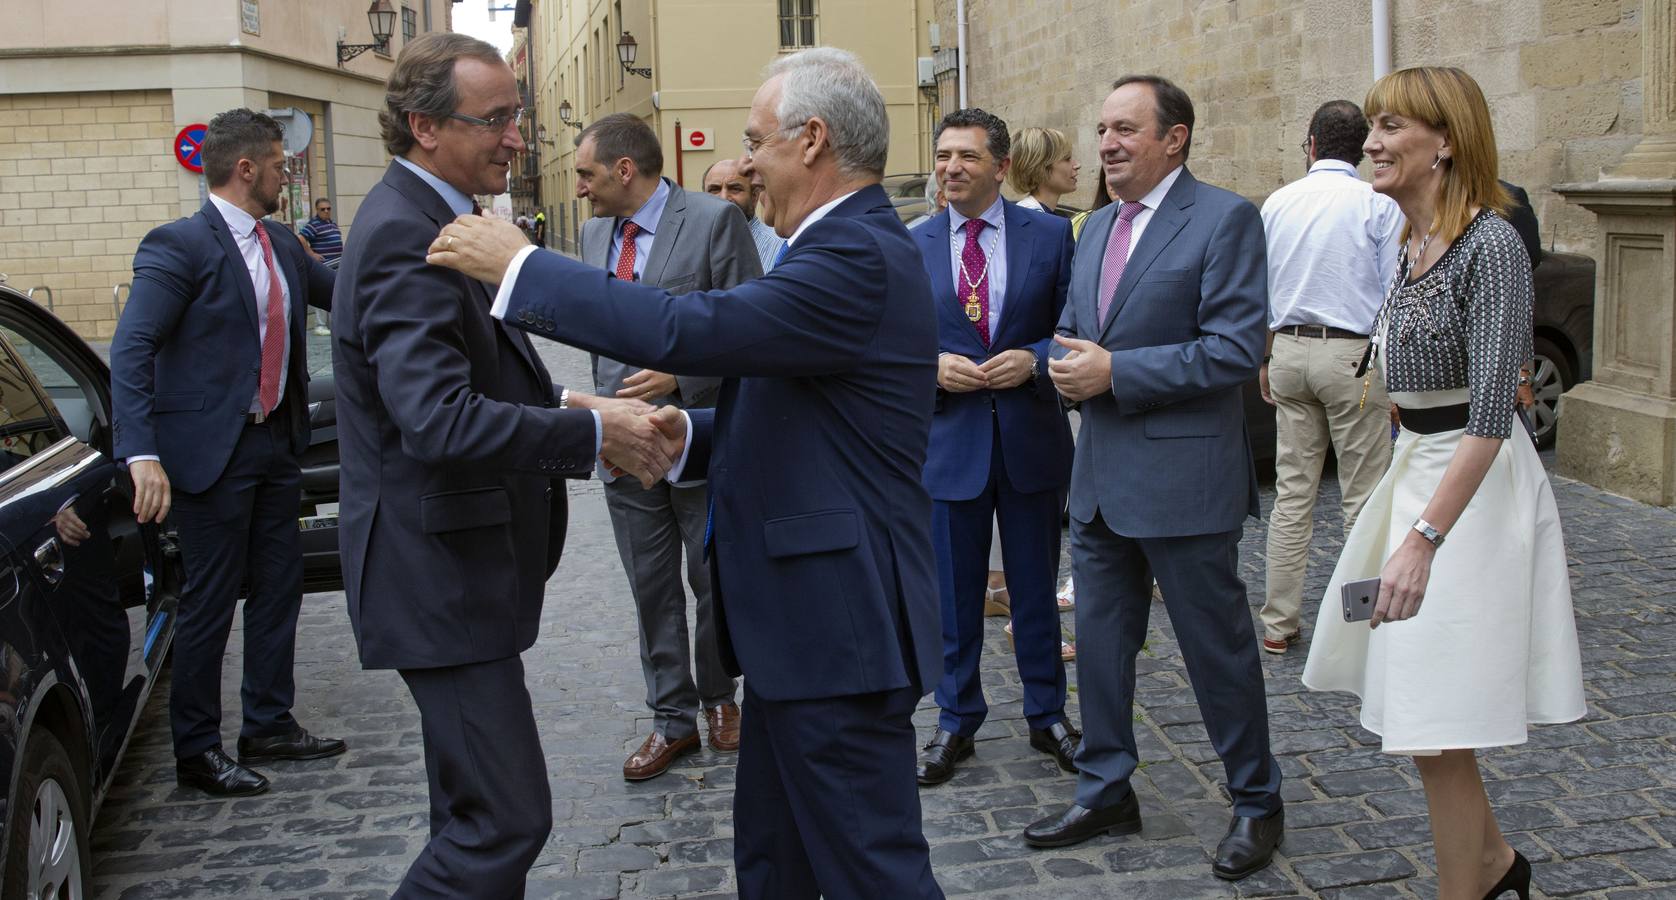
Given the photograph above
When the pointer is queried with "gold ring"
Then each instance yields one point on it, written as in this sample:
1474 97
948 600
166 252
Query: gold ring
450 242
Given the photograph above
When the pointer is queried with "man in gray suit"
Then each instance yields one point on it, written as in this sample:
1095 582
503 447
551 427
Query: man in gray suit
647 228
1164 322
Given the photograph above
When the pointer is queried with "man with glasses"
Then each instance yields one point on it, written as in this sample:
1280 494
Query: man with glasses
451 437
820 544
322 239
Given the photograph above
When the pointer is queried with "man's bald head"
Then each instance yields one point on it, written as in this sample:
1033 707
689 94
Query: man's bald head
723 179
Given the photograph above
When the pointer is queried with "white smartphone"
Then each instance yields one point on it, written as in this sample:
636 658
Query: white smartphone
1359 597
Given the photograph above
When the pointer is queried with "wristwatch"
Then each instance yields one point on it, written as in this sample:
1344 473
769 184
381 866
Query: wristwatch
564 398
1429 532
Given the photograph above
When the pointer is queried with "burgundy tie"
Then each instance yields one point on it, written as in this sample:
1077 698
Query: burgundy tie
1117 256
625 256
973 295
273 338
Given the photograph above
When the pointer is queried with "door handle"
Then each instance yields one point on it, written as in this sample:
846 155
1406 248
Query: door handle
50 557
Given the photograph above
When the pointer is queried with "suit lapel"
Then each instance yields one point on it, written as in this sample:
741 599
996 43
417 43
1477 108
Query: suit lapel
596 241
663 240
935 236
1165 224
1018 263
235 261
1085 270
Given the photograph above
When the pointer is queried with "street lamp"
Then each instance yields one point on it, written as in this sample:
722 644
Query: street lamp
626 49
381 17
541 134
565 113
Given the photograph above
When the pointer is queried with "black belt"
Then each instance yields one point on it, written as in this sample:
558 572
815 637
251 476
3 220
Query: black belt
1433 419
1320 331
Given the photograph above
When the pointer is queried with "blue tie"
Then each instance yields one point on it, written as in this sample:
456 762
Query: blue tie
779 256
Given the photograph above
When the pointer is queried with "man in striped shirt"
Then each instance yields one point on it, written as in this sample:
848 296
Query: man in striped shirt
724 180
322 239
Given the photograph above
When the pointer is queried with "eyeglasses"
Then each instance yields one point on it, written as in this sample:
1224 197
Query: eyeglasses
1305 145
493 123
752 145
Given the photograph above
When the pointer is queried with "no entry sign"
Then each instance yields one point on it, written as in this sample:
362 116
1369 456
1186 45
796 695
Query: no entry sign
189 147
699 139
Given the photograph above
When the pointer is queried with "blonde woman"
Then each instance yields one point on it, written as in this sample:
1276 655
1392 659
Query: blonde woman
1042 170
1472 637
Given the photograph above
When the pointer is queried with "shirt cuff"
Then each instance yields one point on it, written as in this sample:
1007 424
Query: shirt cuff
599 433
154 458
503 297
680 467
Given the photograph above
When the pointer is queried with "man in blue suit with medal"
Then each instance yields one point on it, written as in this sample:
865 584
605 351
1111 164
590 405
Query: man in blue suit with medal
820 545
1000 445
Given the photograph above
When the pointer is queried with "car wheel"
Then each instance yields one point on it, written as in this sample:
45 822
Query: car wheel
47 854
1551 377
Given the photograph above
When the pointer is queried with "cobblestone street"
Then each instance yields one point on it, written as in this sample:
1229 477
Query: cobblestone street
1593 804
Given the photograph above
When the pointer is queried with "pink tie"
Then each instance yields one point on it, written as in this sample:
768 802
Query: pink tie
974 264
273 340
1117 256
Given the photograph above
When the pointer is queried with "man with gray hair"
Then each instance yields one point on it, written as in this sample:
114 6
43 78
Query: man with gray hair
820 545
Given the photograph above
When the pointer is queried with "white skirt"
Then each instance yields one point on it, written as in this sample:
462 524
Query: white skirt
1494 645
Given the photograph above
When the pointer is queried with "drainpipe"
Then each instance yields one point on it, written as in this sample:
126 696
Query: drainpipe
1381 38
960 42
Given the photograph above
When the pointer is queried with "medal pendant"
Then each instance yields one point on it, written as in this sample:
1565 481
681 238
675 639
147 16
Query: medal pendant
973 310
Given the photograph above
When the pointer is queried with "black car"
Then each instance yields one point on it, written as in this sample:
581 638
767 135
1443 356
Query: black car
1562 341
87 594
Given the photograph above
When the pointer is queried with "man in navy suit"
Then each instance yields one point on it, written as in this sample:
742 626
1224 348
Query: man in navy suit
1165 322
452 435
209 387
1000 445
821 548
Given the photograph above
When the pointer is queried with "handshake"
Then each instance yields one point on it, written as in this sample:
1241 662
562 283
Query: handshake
637 438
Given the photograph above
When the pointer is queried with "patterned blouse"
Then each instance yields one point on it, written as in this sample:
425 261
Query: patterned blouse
1466 323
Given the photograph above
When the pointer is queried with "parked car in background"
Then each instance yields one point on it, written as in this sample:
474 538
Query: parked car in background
907 194
87 594
1562 344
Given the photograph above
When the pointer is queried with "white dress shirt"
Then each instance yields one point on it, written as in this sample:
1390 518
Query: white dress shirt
1333 245
993 243
1029 201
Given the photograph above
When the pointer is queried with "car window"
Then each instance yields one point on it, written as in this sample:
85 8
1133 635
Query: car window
74 399
28 422
319 350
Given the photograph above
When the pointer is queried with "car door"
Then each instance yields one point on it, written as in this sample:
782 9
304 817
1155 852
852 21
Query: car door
105 580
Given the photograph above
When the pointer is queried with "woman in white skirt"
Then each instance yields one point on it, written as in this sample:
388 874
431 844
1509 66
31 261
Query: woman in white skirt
1472 637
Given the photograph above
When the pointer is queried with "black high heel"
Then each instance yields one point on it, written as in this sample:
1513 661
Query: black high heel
1517 879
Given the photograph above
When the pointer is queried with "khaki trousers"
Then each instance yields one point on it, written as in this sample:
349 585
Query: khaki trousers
1318 403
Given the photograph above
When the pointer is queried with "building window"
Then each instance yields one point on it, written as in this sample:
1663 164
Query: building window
797 24
410 24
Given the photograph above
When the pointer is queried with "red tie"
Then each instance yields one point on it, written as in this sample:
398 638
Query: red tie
273 340
625 256
973 292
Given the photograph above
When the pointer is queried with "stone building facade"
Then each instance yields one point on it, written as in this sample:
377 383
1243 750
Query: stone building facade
1563 77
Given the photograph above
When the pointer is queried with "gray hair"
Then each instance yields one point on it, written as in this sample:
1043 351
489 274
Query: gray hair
831 84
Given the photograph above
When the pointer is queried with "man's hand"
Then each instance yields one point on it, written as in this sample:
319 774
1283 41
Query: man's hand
959 375
480 247
671 422
151 490
647 385
579 400
634 444
71 529
1263 384
1009 369
1085 373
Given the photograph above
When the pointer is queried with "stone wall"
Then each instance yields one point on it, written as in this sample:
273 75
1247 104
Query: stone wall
83 177
1563 77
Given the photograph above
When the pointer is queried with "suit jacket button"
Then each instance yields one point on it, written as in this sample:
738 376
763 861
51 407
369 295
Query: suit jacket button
549 494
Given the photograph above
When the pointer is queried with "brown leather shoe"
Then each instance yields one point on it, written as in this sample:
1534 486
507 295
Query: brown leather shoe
723 725
655 756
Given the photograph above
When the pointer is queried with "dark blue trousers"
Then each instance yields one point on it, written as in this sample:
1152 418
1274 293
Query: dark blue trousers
1205 598
960 535
825 802
244 524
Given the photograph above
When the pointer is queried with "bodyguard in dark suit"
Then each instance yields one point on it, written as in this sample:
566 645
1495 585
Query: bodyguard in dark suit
821 549
1165 323
648 229
451 435
209 388
1000 446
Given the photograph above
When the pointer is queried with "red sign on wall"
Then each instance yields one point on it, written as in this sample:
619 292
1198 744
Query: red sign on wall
700 139
189 147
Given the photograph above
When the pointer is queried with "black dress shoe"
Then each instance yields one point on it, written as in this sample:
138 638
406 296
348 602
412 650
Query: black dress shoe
936 764
1059 739
1075 825
298 744
216 773
1249 845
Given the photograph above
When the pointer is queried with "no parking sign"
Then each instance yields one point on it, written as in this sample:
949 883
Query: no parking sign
700 139
189 147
